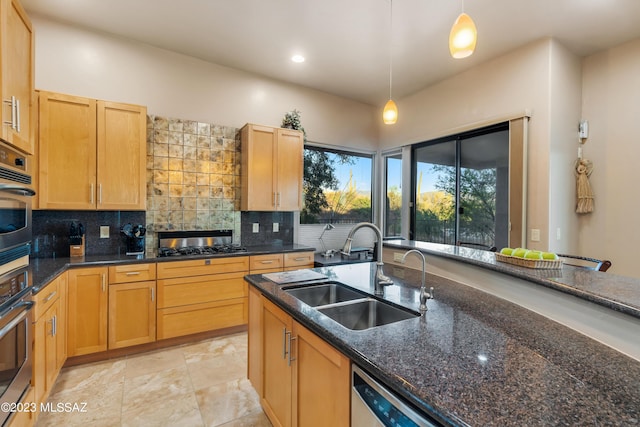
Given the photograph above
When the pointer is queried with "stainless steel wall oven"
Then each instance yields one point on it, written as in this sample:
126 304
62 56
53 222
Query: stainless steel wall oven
15 209
15 339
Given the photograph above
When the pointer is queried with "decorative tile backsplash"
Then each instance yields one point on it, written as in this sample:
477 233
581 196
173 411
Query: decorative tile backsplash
193 177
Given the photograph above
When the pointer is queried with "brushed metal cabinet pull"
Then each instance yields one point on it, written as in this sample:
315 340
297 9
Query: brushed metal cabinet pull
266 262
99 194
284 343
152 294
17 127
51 295
104 283
291 359
91 194
132 273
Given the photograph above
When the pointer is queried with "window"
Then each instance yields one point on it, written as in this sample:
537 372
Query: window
337 186
461 188
393 195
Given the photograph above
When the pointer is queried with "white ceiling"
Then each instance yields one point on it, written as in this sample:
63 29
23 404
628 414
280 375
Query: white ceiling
346 42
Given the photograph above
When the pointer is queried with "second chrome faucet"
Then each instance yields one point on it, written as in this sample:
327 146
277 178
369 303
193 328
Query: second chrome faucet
424 295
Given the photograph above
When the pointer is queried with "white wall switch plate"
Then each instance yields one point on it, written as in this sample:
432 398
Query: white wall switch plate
535 234
104 231
276 227
256 227
397 256
558 234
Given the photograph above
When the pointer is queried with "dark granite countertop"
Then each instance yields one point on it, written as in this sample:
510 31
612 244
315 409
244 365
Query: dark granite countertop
44 270
616 292
478 360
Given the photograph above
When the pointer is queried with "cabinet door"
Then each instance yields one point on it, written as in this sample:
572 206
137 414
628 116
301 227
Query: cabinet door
319 371
67 145
45 353
132 314
122 156
289 165
17 75
87 311
254 371
61 322
257 168
276 387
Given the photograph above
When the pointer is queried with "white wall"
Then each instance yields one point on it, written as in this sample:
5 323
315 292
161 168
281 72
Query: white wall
79 62
611 104
565 100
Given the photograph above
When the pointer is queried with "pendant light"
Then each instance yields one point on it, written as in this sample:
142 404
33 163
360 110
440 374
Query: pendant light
390 112
463 36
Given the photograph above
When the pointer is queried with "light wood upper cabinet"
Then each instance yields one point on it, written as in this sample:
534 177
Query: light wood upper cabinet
272 161
17 60
122 156
92 154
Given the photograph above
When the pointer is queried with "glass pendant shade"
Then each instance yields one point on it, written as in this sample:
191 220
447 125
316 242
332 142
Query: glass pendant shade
390 113
463 37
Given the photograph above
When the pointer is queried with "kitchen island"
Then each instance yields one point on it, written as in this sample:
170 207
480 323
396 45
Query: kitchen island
475 359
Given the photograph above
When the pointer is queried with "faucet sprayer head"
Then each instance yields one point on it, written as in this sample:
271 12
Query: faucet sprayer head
346 249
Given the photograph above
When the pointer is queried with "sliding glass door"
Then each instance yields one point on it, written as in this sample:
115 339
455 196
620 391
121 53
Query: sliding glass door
461 188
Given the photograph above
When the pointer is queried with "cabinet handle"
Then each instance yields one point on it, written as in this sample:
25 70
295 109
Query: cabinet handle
17 127
132 273
275 199
104 283
99 194
266 262
290 338
152 294
278 204
12 103
284 343
55 325
301 259
91 194
51 295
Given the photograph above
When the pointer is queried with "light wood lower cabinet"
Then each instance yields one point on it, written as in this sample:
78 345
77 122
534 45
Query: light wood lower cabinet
50 347
132 305
201 295
301 379
132 314
87 311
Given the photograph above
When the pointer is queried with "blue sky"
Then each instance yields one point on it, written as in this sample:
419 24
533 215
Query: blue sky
362 174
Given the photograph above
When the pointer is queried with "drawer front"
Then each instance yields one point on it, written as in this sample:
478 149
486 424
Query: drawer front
132 273
179 321
200 267
273 262
298 259
46 297
200 289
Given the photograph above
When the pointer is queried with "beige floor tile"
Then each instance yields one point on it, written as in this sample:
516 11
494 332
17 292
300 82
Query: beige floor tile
257 419
192 385
179 410
223 403
156 361
165 386
210 349
221 369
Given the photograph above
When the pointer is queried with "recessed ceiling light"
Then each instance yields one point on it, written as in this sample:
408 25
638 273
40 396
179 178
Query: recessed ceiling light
297 58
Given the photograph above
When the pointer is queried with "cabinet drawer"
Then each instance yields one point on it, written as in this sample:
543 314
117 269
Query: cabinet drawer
179 321
298 259
46 297
273 262
200 267
200 289
132 273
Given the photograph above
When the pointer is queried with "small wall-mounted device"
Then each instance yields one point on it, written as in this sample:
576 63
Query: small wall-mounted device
583 129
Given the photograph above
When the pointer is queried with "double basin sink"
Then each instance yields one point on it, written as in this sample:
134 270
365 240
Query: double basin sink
351 308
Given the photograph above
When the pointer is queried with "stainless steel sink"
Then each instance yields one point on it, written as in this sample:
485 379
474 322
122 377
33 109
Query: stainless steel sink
324 293
365 314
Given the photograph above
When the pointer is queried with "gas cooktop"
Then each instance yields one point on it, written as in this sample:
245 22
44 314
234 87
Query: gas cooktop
199 242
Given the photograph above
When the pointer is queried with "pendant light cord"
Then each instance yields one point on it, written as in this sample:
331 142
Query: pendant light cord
390 45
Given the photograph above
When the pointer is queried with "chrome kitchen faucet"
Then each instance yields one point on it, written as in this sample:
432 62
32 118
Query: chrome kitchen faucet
381 279
424 295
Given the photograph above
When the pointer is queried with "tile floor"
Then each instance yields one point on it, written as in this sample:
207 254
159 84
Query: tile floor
200 384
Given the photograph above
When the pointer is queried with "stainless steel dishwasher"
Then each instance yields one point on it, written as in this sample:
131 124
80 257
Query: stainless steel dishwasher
372 404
